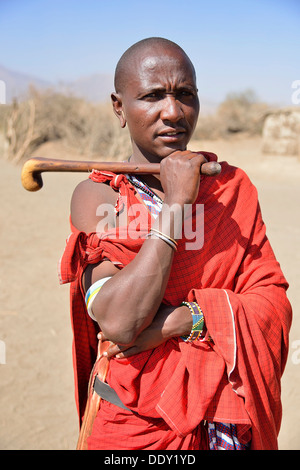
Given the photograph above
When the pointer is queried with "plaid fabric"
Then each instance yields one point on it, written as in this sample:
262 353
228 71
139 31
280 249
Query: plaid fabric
238 283
223 436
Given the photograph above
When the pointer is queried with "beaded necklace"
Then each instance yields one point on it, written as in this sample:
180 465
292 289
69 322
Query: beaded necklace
144 187
152 200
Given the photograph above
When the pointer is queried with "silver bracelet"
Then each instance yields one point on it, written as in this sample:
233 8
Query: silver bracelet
163 237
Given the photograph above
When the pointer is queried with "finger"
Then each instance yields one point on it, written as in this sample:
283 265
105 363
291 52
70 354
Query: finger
101 336
188 155
206 168
113 350
127 353
191 155
204 159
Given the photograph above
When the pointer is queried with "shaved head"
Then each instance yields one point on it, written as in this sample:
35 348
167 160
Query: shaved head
156 97
148 46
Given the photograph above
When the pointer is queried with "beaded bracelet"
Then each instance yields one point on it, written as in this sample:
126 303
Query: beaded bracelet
91 295
198 322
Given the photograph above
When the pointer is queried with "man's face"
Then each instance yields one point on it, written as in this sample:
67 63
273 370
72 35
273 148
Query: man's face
160 103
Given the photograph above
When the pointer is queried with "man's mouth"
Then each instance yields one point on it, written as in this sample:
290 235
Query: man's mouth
172 134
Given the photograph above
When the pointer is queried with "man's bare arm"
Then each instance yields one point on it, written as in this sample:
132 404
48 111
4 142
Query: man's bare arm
128 302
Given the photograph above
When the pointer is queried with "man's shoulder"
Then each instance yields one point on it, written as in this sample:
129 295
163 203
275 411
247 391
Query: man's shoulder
234 173
86 199
88 191
234 182
229 171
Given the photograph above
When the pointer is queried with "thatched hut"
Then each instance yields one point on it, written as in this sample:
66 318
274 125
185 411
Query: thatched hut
281 131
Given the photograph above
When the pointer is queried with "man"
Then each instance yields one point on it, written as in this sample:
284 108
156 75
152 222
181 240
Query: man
198 333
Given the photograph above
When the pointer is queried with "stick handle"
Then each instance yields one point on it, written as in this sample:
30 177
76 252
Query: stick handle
32 169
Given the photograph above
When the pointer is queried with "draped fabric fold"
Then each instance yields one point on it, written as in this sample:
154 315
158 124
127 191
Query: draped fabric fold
239 285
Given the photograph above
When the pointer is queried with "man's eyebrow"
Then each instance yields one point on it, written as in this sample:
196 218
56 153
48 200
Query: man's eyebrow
151 89
187 86
162 89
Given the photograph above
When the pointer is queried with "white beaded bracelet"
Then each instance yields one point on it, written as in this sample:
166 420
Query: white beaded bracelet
91 295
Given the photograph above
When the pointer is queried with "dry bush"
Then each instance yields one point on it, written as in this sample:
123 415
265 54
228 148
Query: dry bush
208 127
5 112
240 112
91 130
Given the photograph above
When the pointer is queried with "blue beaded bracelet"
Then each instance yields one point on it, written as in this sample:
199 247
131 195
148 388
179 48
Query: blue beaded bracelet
198 322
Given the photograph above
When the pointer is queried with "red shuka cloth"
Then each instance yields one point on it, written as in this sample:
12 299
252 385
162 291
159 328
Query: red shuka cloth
239 285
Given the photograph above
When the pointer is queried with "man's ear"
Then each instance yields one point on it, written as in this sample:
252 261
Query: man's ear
118 108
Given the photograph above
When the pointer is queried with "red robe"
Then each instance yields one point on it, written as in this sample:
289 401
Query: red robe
239 285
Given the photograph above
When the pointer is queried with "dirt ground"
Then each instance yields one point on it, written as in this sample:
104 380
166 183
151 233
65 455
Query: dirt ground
37 409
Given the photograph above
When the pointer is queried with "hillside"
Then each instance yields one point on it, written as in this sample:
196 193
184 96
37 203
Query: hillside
96 88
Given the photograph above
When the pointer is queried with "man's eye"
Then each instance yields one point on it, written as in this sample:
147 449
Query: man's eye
185 93
153 96
158 95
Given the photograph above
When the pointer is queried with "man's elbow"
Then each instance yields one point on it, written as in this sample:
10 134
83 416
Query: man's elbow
119 334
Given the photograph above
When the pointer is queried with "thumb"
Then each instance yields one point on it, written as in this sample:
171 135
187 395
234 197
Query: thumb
101 336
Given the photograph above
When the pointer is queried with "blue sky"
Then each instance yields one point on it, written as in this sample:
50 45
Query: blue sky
234 44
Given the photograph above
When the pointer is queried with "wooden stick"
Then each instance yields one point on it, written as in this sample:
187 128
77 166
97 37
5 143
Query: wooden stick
32 169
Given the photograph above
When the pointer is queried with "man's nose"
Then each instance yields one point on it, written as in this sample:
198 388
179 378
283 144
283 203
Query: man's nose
171 109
